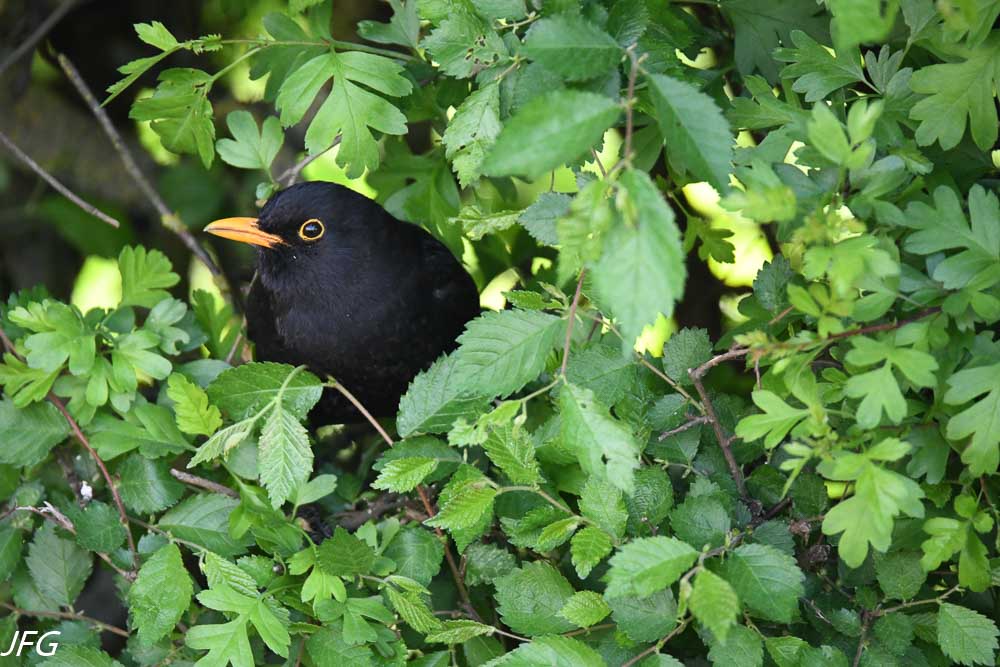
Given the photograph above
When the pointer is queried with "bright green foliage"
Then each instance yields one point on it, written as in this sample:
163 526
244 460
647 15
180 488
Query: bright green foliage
556 494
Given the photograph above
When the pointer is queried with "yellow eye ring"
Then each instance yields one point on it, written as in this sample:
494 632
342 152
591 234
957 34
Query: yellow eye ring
311 230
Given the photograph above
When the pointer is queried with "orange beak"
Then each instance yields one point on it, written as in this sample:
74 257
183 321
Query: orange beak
244 230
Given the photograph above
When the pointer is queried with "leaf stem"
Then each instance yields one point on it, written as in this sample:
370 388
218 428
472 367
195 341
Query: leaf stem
572 321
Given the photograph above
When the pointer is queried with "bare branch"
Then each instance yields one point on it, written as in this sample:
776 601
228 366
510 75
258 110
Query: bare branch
168 218
202 483
56 184
572 321
43 29
291 175
65 615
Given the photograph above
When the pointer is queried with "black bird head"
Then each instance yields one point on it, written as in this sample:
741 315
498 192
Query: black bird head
305 228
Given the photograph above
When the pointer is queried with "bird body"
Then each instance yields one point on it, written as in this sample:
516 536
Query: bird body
351 292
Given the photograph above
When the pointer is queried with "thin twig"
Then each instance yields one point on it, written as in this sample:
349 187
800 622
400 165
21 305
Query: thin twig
202 483
66 616
54 400
168 218
629 104
658 645
725 442
360 408
43 29
691 423
572 320
55 183
291 175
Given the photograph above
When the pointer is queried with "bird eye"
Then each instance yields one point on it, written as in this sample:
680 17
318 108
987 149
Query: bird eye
311 230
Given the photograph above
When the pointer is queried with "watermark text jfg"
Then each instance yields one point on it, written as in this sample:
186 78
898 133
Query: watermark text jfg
25 640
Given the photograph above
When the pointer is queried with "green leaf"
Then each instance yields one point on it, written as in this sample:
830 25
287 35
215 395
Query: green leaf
742 648
816 71
701 520
226 643
404 475
585 608
77 655
698 139
147 486
24 385
945 227
247 389
10 551
465 507
160 594
867 517
603 445
540 218
98 526
966 636
412 608
156 34
486 563
957 91
58 567
464 44
980 420
685 350
760 30
645 619
899 574
641 271
510 449
767 581
403 28
472 131
549 131
603 370
284 457
145 276
588 548
30 432
459 632
530 598
550 651
250 148
435 400
418 554
204 520
714 603
345 555
349 110
603 504
500 352
60 335
572 47
194 415
778 419
181 114
648 564
861 22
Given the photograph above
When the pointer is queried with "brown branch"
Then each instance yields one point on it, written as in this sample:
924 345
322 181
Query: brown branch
691 423
55 183
360 408
572 320
888 326
66 616
202 483
725 442
43 29
168 218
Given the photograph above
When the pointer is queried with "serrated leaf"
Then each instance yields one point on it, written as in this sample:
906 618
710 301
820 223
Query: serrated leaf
245 390
345 555
30 432
530 598
147 486
435 400
768 582
685 350
98 526
284 457
145 276
458 632
572 47
646 565
510 449
714 603
697 135
641 271
585 608
500 352
204 520
966 636
551 130
404 475
58 567
603 445
471 133
160 594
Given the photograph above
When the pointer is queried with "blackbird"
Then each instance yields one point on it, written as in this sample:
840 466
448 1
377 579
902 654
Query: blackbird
348 290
